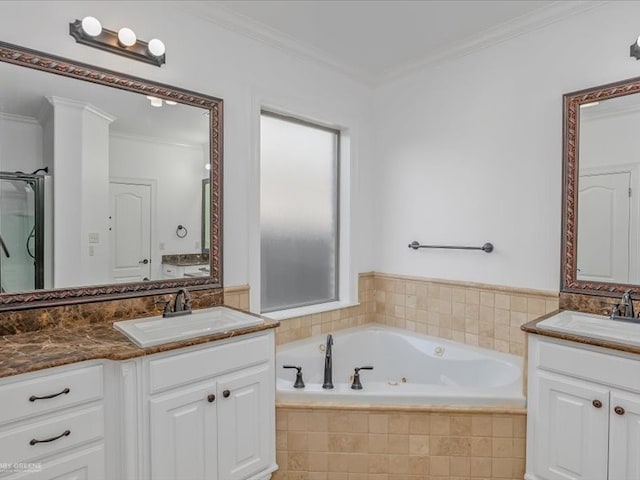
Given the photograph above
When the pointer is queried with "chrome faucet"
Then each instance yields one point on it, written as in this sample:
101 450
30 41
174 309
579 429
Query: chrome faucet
328 364
624 310
181 304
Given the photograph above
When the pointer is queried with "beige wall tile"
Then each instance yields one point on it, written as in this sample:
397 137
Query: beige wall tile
431 445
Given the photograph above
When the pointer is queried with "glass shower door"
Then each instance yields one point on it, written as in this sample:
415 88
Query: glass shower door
18 252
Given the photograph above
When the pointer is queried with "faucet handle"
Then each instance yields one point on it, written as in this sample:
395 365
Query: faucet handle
167 305
299 382
356 385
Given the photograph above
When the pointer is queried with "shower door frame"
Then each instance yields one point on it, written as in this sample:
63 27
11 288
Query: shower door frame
37 184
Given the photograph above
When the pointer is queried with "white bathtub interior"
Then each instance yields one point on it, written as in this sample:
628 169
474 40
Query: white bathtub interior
409 368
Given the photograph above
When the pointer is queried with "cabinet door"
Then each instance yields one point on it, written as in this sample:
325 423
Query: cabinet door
244 418
624 441
183 434
572 429
86 464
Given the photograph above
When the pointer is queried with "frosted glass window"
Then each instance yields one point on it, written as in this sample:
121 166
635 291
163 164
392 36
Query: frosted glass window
298 213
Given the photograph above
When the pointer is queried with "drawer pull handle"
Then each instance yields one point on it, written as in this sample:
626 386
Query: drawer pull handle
597 403
33 398
619 410
226 394
66 433
211 398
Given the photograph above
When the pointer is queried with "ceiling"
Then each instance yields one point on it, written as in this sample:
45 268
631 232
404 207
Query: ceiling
376 40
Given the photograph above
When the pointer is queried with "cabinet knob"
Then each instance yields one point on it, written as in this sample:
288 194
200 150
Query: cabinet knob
211 398
226 394
619 410
597 403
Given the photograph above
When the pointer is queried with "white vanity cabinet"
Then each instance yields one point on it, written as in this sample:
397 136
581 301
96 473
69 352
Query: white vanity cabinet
205 412
52 424
178 271
583 419
211 411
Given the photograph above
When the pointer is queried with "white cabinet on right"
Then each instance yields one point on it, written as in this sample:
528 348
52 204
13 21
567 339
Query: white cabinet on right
583 420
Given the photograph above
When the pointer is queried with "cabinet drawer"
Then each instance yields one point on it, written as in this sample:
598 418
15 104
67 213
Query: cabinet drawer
179 369
20 399
171 271
19 444
86 464
608 369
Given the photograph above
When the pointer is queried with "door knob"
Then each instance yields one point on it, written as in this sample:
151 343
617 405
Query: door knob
145 261
226 394
597 403
619 410
211 398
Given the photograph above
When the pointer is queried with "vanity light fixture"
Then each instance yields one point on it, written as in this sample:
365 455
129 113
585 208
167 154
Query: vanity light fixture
590 104
89 31
158 102
634 49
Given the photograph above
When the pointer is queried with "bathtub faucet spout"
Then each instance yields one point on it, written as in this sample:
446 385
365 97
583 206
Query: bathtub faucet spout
328 364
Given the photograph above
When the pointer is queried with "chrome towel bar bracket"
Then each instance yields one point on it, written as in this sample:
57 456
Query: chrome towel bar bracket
487 247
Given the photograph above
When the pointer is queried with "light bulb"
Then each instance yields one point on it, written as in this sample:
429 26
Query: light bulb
156 47
638 42
91 26
207 166
156 102
170 102
126 37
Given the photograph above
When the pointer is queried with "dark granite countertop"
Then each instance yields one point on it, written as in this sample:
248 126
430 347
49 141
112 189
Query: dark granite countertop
63 345
532 327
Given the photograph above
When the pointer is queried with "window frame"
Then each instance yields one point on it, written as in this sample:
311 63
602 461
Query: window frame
338 210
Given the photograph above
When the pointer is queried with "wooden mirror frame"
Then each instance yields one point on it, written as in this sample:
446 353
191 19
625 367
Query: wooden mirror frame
66 296
571 136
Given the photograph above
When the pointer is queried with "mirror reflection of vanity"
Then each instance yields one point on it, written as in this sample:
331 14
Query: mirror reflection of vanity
102 186
601 220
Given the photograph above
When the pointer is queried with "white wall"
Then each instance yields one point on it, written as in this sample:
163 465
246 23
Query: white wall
208 59
177 172
20 144
471 150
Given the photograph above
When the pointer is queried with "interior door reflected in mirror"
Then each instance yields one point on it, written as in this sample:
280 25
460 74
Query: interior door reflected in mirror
94 181
608 191
601 191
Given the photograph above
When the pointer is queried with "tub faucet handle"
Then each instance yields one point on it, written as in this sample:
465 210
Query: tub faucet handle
299 383
356 385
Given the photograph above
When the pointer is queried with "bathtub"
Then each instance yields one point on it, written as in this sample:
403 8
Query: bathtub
409 369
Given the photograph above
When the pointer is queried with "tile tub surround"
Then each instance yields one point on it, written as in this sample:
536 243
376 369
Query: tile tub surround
476 314
237 297
386 444
325 322
488 316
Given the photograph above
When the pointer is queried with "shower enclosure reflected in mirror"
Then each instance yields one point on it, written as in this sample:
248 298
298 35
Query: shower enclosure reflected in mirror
25 232
115 170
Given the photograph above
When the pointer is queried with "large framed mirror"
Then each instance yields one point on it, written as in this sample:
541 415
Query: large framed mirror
101 180
601 191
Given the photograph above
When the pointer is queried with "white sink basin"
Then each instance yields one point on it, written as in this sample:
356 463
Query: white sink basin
595 326
151 331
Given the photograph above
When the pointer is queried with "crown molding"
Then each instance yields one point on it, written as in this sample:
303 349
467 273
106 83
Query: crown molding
123 135
524 24
12 117
248 27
